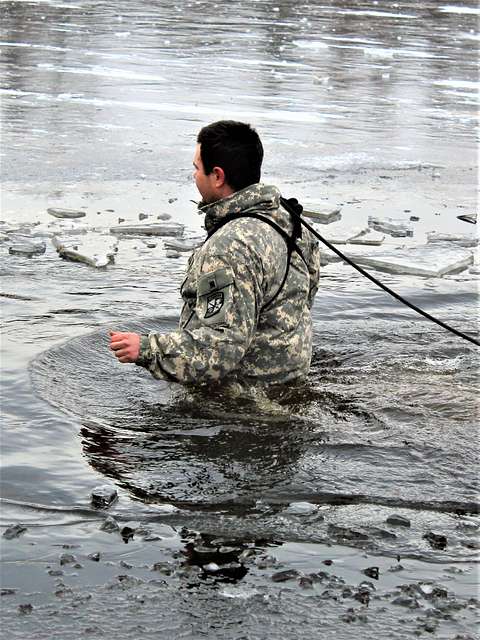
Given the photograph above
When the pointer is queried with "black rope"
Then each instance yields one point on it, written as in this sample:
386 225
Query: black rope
295 211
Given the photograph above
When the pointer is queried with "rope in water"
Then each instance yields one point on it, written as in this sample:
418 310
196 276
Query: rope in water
292 209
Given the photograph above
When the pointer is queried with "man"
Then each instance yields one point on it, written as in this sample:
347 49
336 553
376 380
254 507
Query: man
249 288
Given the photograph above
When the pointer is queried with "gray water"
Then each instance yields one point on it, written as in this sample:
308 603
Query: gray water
368 106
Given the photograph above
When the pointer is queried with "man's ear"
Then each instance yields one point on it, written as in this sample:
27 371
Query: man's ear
219 176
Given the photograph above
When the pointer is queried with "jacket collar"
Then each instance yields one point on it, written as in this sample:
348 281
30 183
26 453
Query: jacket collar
259 197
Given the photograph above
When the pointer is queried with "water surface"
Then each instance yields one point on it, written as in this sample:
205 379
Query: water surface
367 107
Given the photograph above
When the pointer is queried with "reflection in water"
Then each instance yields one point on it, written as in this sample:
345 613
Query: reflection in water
205 464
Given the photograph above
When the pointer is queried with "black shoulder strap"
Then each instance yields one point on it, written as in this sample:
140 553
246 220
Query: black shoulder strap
289 240
294 208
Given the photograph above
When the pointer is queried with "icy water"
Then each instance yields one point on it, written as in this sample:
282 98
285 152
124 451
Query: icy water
370 106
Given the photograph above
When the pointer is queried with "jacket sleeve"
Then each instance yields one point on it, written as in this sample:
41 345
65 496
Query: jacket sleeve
229 297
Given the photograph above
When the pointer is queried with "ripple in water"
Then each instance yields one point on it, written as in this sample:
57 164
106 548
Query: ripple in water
364 428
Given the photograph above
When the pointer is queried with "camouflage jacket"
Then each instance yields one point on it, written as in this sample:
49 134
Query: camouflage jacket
228 329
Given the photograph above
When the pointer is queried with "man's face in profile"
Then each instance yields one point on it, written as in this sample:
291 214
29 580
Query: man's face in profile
204 182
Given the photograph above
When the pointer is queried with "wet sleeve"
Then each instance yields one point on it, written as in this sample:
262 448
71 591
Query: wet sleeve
229 297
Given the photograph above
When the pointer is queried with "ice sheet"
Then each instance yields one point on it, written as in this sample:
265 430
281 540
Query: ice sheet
66 213
95 250
343 233
323 215
183 245
459 239
159 229
369 237
424 260
394 227
26 248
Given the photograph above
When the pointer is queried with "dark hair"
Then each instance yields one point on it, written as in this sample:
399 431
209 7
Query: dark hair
236 148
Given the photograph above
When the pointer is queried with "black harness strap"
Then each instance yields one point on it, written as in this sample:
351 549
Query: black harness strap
289 241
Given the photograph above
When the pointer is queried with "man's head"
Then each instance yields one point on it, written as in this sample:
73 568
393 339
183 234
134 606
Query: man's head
228 157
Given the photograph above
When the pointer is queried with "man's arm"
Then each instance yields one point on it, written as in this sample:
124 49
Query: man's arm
229 297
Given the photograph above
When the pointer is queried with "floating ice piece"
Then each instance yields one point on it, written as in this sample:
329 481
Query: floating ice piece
398 520
328 257
14 531
340 234
468 217
66 213
166 508
370 237
96 251
67 228
28 249
242 593
42 232
301 509
475 268
423 260
110 525
394 227
183 245
21 230
324 215
155 229
103 496
459 239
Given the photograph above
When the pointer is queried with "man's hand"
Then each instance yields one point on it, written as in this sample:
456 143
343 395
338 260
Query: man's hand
125 346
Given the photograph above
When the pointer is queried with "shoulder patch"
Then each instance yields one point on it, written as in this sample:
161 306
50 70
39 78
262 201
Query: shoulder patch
214 295
215 303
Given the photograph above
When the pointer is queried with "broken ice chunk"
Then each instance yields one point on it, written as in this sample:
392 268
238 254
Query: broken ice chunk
28 249
110 525
323 215
394 227
155 229
475 268
301 509
66 213
103 496
96 250
468 217
369 237
459 239
14 531
183 245
424 260
66 227
327 257
341 234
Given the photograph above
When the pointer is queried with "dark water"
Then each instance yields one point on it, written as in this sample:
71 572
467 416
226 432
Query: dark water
367 105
